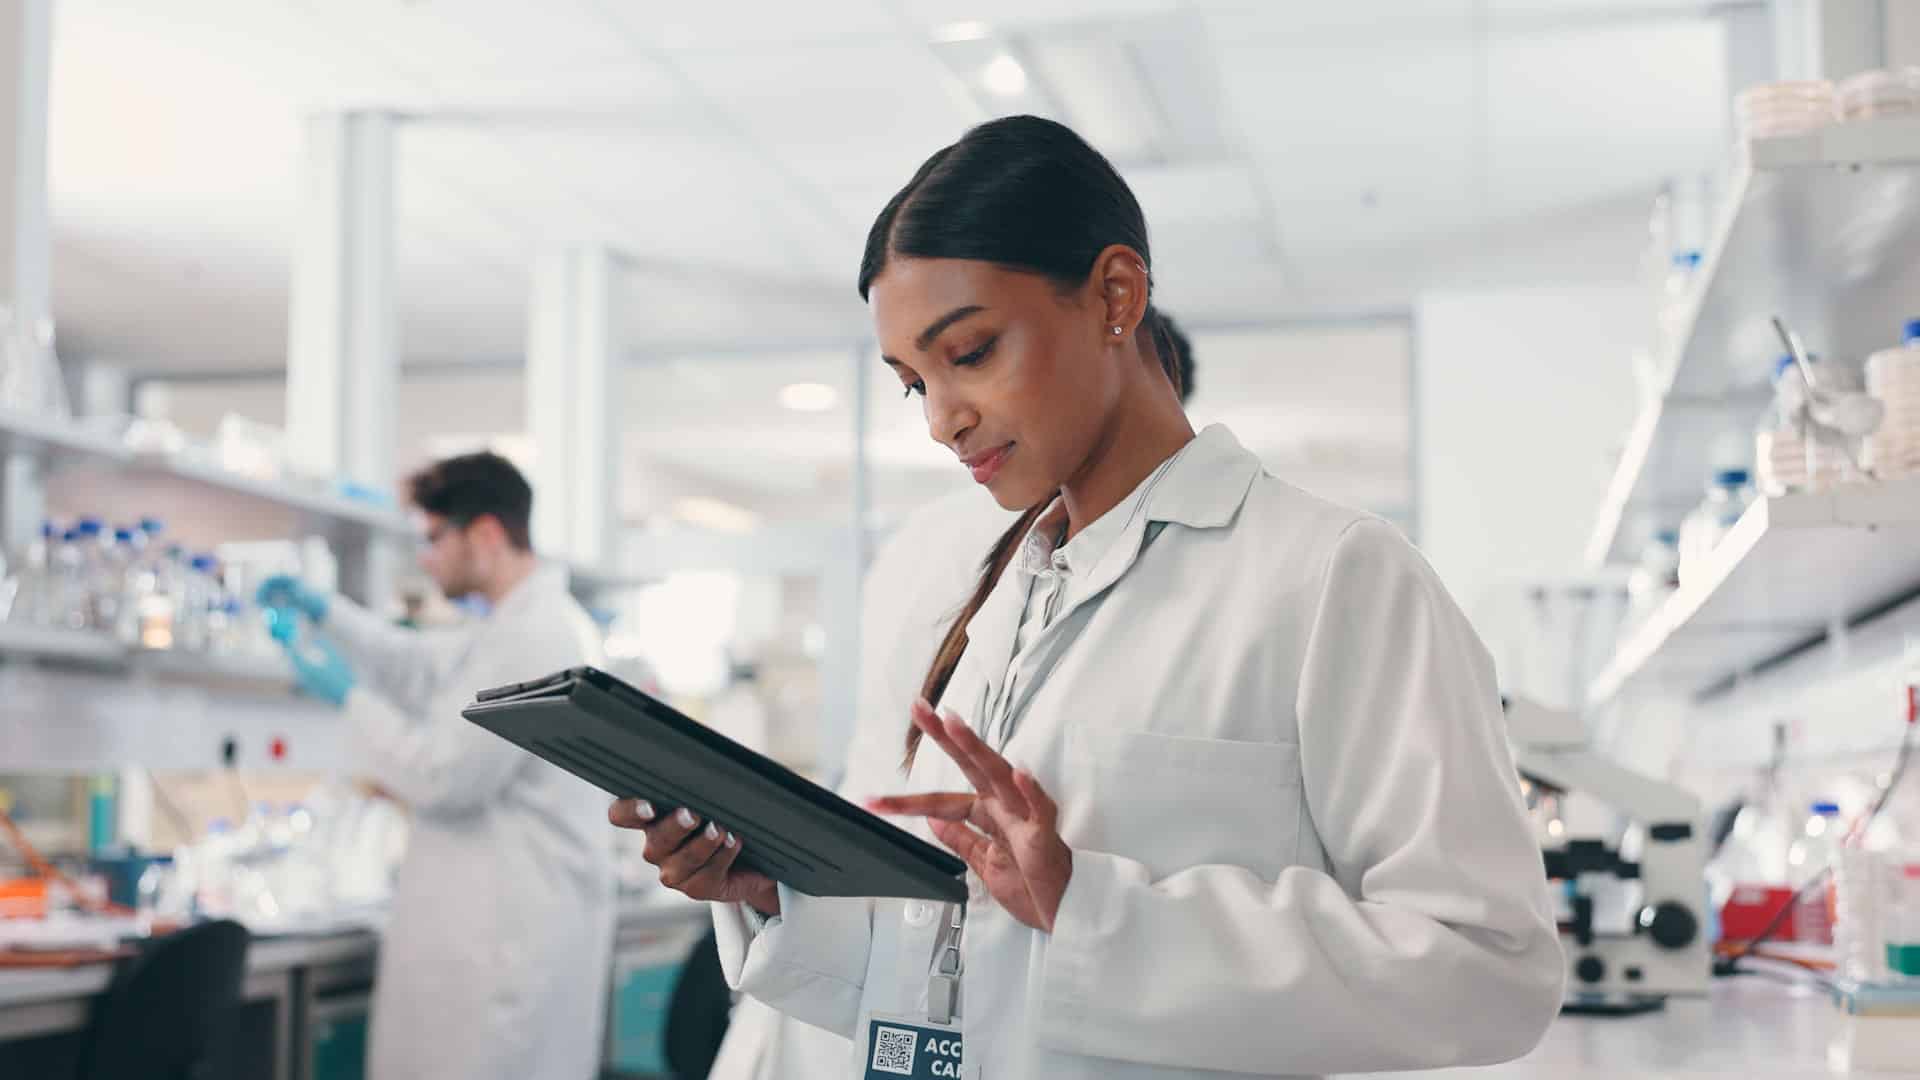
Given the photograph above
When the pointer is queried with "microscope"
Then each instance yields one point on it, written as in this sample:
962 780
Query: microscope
1663 949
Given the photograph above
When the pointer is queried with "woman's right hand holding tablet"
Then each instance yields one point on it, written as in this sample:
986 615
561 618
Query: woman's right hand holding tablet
694 859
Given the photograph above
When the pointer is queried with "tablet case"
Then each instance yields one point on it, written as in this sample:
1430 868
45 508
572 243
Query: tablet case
630 744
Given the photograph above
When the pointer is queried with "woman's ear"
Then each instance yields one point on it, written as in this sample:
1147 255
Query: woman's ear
1121 275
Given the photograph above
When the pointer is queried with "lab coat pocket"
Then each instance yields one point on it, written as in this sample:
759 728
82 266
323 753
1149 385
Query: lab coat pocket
1172 802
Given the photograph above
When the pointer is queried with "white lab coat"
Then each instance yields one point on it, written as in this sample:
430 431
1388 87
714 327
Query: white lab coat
919 579
495 962
1299 845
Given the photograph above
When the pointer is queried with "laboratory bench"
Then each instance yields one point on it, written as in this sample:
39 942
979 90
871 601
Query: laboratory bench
305 1001
1750 1026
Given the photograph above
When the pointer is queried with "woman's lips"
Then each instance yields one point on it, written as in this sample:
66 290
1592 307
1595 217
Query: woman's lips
986 465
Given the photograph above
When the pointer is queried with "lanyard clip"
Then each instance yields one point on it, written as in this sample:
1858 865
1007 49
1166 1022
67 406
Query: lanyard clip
943 986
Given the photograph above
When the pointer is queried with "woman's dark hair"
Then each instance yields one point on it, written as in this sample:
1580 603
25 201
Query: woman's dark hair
1027 194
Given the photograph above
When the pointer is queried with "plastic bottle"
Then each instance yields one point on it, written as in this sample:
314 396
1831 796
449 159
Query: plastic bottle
1814 853
68 593
1728 496
142 584
213 861
1780 444
32 601
1900 917
190 614
219 606
206 604
107 568
1656 576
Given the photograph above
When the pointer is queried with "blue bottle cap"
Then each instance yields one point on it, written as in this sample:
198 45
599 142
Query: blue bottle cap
1731 478
1826 809
1913 332
88 526
123 536
152 526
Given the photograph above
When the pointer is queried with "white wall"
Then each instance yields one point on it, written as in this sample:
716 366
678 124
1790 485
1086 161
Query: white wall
1523 398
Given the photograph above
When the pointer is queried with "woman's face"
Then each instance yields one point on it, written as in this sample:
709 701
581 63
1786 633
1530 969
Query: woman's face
1017 377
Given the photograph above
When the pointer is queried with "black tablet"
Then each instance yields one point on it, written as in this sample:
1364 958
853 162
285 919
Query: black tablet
630 744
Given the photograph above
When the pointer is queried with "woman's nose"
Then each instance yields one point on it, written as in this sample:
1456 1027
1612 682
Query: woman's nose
948 417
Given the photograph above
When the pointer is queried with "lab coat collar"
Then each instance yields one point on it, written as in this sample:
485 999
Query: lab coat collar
1206 483
546 578
1203 487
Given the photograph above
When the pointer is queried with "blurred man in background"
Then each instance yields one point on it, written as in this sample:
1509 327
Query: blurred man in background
494 963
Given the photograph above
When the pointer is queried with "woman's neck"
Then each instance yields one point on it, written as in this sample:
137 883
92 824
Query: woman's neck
1137 441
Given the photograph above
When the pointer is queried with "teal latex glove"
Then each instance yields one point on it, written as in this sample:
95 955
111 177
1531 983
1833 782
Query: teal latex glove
284 592
319 667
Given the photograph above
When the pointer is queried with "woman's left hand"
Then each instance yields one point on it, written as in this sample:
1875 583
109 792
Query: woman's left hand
1005 829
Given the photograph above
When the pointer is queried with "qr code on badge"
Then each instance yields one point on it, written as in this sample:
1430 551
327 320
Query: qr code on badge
893 1050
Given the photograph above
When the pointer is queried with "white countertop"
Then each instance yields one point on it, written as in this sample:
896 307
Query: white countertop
1749 1027
269 955
638 915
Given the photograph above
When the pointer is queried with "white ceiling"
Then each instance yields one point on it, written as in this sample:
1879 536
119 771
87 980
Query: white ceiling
1294 158
1304 166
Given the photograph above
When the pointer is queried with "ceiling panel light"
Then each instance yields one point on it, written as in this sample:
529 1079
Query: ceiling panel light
1004 76
968 30
809 397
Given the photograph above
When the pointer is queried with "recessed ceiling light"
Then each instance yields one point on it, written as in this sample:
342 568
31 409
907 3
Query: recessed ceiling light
715 514
809 397
968 30
1005 76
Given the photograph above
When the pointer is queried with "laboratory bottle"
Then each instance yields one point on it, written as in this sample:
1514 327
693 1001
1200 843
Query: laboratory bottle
32 570
1812 855
1780 444
1728 496
69 582
196 596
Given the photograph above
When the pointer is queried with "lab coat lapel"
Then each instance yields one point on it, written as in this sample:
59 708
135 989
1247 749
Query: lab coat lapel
991 636
1202 488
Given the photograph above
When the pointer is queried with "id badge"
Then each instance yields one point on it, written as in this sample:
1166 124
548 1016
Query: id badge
913 1047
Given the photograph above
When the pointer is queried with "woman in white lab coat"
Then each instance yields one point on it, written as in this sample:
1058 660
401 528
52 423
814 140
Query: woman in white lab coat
1224 760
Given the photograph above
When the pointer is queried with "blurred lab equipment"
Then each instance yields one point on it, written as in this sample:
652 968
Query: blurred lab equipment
1664 950
1839 415
30 379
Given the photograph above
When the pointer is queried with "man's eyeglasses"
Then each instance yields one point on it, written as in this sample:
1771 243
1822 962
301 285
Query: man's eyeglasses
433 533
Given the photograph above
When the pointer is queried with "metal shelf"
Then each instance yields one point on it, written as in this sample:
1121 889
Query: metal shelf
69 646
1810 222
1793 569
86 470
92 649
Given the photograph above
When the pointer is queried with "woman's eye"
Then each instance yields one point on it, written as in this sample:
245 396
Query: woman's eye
976 355
918 386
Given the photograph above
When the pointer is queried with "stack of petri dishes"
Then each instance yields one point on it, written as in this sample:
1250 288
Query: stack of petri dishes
1888 92
1776 110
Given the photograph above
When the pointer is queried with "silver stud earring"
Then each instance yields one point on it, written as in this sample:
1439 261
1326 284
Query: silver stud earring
1117 331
